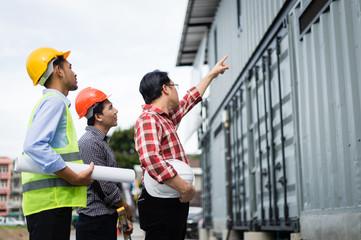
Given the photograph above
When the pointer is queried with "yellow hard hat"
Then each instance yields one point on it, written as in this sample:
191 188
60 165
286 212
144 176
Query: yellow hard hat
38 60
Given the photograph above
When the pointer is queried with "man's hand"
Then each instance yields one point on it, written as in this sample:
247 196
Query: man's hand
128 209
187 195
85 175
219 68
186 190
126 227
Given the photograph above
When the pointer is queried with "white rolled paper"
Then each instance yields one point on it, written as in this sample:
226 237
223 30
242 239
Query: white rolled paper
112 174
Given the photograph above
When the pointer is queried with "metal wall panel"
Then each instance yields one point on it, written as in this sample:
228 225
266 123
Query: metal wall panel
317 136
242 163
206 161
238 153
261 144
246 184
257 17
328 74
218 182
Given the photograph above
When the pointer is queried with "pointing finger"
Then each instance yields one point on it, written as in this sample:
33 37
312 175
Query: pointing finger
223 59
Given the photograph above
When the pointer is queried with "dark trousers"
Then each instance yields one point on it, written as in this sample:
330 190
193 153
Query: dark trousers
162 218
96 228
50 224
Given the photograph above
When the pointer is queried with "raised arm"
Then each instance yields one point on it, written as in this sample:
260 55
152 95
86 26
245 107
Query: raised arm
219 68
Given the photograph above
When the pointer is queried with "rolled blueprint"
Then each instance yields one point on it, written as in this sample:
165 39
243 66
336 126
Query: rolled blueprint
112 174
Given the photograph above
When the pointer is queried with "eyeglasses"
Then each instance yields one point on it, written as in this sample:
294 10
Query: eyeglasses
174 85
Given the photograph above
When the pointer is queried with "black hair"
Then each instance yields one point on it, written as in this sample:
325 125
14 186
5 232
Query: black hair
97 110
59 61
151 85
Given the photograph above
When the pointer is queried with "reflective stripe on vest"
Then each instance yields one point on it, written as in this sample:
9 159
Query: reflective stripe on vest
46 183
68 157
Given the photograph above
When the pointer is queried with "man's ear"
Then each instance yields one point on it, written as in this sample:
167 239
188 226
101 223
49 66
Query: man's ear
165 89
98 117
58 71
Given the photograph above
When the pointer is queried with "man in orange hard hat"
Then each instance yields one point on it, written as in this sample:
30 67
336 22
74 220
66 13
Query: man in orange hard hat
51 141
98 220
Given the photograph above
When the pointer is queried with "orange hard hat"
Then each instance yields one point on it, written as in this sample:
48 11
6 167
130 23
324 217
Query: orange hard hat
86 99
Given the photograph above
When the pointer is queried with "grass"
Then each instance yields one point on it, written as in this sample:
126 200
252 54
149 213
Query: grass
12 227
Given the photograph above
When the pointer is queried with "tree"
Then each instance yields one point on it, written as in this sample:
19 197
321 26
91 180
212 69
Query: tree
122 143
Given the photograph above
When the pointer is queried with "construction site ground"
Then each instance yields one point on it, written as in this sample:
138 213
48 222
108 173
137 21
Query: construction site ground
13 233
21 233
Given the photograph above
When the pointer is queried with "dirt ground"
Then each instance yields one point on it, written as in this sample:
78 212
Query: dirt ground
18 233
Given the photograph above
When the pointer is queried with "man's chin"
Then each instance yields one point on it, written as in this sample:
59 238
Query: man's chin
74 88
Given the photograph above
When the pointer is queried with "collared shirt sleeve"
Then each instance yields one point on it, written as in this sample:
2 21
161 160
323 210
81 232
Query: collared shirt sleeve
191 98
148 132
41 133
93 151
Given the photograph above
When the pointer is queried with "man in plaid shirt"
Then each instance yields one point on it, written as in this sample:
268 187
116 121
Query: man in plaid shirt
156 140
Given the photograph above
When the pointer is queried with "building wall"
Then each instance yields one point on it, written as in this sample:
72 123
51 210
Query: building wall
5 178
239 45
15 201
323 73
327 67
218 173
327 70
257 16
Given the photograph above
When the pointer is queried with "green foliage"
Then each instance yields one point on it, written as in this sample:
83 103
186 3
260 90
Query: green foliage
122 143
194 157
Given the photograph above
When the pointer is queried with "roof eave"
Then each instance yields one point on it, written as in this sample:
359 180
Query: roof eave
198 19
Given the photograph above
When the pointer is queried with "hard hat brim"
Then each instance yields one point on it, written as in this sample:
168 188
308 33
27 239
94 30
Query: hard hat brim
66 54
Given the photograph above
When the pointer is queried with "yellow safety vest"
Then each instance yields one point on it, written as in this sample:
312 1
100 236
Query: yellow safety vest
43 192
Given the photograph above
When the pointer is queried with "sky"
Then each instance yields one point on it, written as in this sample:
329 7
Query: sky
113 44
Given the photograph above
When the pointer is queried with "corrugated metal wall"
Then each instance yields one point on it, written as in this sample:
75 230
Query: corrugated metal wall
262 144
257 16
240 46
328 71
272 105
219 205
322 116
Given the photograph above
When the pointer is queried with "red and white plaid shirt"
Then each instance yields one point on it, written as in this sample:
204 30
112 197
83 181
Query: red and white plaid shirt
156 137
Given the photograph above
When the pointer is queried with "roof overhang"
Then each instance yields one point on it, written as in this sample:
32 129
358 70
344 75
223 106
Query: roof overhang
198 19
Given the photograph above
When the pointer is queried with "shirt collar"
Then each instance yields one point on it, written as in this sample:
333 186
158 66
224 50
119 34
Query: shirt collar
50 90
97 133
152 108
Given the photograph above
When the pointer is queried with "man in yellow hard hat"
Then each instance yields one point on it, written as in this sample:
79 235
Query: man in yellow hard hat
99 219
51 141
